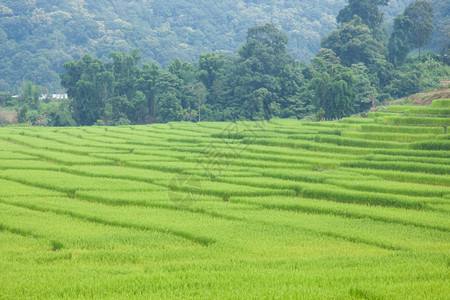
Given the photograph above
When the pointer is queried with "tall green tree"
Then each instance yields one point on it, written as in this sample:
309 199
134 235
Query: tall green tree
125 70
400 42
266 71
89 85
420 15
412 29
210 67
168 97
334 90
30 94
367 10
353 42
146 83
366 93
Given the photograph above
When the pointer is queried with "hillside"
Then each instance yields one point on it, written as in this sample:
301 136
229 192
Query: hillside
348 209
37 37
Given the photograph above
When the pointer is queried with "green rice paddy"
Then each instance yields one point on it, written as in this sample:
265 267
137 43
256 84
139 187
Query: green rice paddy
357 208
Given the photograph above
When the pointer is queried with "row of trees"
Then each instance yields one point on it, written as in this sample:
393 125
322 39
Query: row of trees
262 81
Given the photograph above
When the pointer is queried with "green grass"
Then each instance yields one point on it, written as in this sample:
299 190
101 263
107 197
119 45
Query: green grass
441 102
402 129
425 121
350 209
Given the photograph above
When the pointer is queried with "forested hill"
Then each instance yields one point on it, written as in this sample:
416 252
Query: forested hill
38 36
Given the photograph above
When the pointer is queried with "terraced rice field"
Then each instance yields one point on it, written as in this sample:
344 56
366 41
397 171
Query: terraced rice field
283 209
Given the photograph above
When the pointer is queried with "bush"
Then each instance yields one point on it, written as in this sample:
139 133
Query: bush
99 123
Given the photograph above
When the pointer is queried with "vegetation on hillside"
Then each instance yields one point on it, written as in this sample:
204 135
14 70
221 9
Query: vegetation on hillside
358 67
37 37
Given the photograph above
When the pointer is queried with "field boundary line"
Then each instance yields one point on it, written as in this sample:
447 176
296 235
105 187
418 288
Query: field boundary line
203 241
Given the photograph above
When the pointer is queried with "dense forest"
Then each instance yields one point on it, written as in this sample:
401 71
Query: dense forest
358 66
38 36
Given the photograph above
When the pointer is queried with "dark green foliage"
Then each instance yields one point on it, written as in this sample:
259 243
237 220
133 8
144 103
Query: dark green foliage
210 68
412 29
353 42
168 98
58 113
367 10
441 35
334 91
22 114
399 44
146 83
328 56
380 67
38 37
5 97
30 94
420 14
88 83
366 93
417 75
266 75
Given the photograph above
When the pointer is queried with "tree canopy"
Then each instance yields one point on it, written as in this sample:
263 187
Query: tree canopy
38 37
367 10
412 29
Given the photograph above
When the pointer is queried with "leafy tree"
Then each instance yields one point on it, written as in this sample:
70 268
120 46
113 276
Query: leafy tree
334 92
366 93
88 84
265 69
147 85
125 72
210 67
412 29
399 41
169 108
30 94
445 53
217 72
441 35
138 113
58 113
420 16
329 57
367 10
262 104
5 98
417 75
380 73
183 70
168 98
353 43
22 114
